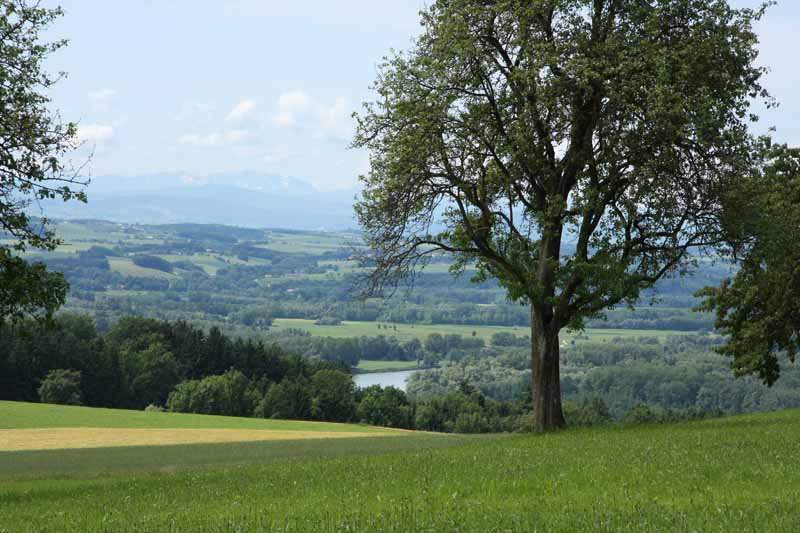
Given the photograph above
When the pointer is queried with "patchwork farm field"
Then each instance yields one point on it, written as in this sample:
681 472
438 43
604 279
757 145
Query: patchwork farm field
729 474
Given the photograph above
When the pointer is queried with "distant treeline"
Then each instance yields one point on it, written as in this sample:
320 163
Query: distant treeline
348 351
680 372
141 362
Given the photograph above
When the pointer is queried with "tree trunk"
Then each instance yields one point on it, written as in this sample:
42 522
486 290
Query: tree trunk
546 377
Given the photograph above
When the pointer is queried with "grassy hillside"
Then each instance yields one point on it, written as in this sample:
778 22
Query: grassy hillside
46 441
21 415
732 474
126 267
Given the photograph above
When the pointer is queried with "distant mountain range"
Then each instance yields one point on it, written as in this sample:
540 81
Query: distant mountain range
246 199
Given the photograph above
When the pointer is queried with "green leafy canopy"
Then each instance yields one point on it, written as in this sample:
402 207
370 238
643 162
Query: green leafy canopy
575 150
758 309
33 148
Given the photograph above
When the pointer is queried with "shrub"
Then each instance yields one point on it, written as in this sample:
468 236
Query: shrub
387 407
332 396
62 387
471 423
227 394
589 413
641 414
288 399
524 423
151 373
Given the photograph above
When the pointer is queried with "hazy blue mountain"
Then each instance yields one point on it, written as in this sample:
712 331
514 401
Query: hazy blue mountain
237 198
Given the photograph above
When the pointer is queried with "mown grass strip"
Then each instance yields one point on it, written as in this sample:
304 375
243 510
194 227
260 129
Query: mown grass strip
104 462
62 438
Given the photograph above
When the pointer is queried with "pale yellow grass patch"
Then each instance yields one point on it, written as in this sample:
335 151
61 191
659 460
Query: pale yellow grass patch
60 438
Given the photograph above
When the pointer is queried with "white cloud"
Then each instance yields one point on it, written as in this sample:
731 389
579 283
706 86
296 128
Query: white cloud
101 98
216 139
241 111
297 108
334 120
95 133
291 105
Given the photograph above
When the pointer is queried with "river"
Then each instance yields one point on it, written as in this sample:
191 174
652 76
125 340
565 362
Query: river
395 379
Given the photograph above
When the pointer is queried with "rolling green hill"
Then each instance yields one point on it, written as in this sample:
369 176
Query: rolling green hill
242 278
730 474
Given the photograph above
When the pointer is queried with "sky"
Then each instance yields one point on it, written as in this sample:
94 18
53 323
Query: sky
198 87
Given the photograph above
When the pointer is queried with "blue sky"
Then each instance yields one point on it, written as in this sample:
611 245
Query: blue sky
203 86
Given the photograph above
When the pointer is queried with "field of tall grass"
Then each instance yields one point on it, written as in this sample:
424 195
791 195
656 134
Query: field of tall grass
730 474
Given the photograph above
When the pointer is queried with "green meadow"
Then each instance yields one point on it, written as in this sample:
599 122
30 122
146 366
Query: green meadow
366 365
729 474
407 332
126 267
21 415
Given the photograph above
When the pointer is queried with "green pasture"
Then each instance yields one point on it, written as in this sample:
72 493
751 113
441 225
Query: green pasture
406 332
309 243
366 365
295 246
343 266
104 233
21 415
730 474
85 463
126 267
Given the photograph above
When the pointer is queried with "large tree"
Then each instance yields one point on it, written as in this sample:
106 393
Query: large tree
33 167
575 150
758 309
